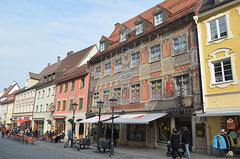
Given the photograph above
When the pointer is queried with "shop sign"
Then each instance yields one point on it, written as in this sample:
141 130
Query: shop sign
169 86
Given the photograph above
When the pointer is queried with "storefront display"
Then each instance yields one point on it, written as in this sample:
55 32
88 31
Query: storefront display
164 130
137 132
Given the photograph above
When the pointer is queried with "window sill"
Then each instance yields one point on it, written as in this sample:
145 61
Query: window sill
155 61
219 40
179 53
134 102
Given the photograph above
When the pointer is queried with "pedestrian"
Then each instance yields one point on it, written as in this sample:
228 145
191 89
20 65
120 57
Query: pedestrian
69 133
3 131
108 133
35 133
186 139
175 139
115 136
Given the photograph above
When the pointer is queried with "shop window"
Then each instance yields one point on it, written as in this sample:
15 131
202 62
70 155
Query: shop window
137 132
164 130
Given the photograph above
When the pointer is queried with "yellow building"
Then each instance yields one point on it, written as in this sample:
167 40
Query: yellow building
218 25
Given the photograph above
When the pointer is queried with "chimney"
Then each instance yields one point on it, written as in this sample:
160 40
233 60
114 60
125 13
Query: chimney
58 58
48 64
117 24
4 89
70 53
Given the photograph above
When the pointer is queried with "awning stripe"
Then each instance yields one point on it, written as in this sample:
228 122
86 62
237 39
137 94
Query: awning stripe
21 120
136 118
96 119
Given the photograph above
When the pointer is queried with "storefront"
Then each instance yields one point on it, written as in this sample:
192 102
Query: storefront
39 125
60 125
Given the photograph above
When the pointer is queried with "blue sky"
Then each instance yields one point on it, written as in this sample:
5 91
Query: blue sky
34 32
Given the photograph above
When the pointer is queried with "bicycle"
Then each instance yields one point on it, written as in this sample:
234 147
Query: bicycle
76 143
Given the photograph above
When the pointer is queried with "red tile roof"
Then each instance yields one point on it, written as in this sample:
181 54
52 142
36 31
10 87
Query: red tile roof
76 72
177 8
5 94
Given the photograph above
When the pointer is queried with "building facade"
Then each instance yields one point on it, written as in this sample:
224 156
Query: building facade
150 65
218 24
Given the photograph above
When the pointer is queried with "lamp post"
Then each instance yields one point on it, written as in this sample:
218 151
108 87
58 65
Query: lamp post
74 107
99 105
113 103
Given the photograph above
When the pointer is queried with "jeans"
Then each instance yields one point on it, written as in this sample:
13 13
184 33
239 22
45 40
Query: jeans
3 134
187 153
174 151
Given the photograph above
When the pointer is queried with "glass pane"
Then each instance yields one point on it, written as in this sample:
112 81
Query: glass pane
213 29
222 26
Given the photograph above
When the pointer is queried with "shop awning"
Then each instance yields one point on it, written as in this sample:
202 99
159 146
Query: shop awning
21 120
96 119
231 111
136 118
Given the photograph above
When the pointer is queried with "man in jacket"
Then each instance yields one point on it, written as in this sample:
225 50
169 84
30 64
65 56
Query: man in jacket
186 139
175 143
3 131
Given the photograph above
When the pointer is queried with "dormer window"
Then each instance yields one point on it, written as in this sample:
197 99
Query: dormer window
139 28
102 47
158 19
123 37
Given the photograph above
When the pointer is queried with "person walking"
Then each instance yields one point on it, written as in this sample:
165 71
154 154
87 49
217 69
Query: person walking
115 136
186 139
3 131
108 133
69 134
175 143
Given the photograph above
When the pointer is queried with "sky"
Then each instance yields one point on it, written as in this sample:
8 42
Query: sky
34 33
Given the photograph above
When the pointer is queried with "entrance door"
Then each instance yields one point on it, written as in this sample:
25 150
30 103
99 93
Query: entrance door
60 125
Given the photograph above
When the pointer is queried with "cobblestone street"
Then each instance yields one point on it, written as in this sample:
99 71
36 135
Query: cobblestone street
10 149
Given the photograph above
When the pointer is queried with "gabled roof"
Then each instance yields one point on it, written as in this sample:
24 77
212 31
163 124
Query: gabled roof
6 93
73 59
210 4
76 72
177 8
11 97
50 69
35 76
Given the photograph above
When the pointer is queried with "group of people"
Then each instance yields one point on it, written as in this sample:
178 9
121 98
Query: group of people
175 142
55 136
109 134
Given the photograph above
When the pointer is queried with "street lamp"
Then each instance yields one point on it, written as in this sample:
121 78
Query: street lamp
99 105
74 107
113 103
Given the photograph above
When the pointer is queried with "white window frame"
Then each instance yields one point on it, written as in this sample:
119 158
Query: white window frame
97 72
158 19
107 69
135 59
214 59
102 46
95 98
153 53
118 65
139 28
208 31
123 36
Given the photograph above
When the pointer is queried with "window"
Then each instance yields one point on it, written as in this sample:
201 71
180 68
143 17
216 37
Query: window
46 108
66 87
82 82
179 45
49 90
105 97
60 88
27 95
40 108
80 105
53 76
123 36
136 132
107 69
156 87
58 105
155 53
49 78
223 71
118 65
43 93
30 94
182 85
72 85
53 90
37 108
135 59
39 94
96 98
117 94
70 104
139 28
158 19
64 105
218 28
97 72
135 93
102 46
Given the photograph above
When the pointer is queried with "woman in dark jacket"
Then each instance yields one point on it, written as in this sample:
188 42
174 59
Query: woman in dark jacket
186 139
175 143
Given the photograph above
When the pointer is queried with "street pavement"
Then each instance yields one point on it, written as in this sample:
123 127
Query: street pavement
11 149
